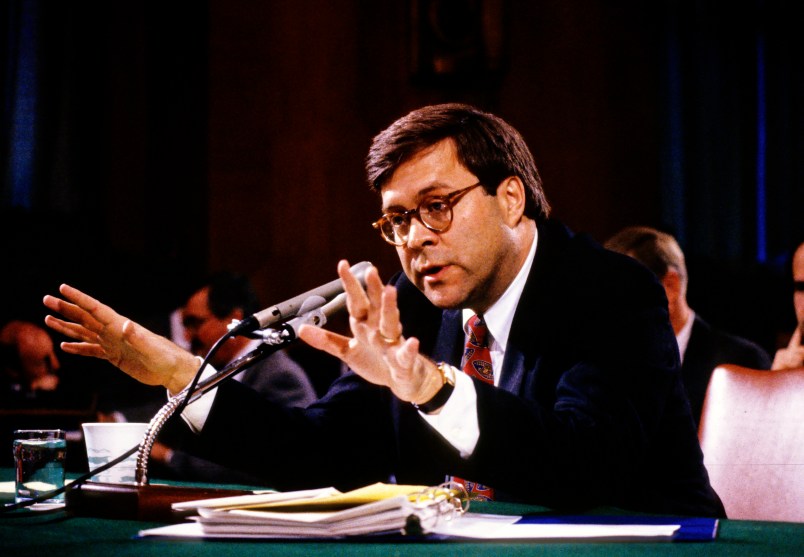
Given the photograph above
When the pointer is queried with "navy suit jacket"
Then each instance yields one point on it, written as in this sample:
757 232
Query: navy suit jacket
590 409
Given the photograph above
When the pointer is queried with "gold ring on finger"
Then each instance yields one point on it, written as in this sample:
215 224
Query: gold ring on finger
388 340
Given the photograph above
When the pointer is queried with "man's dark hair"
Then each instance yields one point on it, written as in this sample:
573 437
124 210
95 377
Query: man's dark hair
486 145
229 291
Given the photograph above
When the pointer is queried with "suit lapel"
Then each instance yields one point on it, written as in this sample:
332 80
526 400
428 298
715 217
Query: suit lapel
449 343
449 348
534 310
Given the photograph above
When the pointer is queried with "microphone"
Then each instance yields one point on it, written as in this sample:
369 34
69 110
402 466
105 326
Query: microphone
318 314
288 309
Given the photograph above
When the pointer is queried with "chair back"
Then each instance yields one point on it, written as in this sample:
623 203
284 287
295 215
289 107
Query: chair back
752 436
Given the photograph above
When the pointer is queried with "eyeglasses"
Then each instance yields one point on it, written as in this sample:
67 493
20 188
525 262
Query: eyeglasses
435 213
194 322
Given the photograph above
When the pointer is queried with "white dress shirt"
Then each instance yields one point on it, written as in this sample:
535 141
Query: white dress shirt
683 336
457 421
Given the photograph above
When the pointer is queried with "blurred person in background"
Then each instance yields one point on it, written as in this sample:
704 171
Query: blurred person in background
29 361
792 355
205 316
702 347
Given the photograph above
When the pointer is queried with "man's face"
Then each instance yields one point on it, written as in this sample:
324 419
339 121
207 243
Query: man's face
470 264
798 278
201 326
37 357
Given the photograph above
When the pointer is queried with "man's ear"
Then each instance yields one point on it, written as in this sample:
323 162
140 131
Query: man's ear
511 198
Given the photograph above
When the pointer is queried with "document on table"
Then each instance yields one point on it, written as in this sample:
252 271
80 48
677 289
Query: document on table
499 527
374 509
418 512
475 526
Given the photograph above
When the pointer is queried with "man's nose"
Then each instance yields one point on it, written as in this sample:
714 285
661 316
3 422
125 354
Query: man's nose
419 235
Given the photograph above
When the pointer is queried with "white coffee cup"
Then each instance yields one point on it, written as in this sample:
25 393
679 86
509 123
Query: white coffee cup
106 441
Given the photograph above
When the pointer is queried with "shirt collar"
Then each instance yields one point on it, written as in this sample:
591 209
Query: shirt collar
500 315
683 336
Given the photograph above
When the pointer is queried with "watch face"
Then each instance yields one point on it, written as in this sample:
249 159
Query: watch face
443 394
447 373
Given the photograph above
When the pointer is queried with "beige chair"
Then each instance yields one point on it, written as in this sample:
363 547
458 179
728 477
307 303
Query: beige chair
752 436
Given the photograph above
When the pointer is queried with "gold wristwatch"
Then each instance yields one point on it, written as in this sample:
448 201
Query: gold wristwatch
442 396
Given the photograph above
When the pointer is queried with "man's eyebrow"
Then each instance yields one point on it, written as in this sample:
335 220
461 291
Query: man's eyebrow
421 194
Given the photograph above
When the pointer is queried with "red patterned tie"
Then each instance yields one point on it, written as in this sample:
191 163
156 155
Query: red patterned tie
477 363
476 355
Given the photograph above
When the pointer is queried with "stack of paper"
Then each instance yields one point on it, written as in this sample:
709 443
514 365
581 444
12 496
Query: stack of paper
378 508
393 509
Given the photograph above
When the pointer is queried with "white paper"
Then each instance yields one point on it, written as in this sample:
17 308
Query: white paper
498 527
470 526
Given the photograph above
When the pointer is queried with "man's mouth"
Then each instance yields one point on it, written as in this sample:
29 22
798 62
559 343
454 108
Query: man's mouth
432 271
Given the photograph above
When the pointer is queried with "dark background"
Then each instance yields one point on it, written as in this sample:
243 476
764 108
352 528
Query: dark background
146 143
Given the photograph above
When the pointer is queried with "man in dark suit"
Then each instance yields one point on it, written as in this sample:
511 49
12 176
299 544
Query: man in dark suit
702 347
566 410
225 297
206 315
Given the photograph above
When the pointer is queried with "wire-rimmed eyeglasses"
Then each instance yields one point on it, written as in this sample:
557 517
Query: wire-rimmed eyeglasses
434 212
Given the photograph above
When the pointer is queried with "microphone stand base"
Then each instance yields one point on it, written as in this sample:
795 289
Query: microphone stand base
137 502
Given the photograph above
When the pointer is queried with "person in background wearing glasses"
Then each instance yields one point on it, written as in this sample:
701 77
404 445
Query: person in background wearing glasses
701 347
206 316
792 355
575 400
209 310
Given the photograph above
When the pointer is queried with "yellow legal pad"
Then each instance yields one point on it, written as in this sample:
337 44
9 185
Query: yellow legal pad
310 500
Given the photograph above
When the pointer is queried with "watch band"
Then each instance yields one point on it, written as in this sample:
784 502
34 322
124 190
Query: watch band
443 394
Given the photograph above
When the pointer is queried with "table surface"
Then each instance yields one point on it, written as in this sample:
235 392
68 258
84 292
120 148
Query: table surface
57 534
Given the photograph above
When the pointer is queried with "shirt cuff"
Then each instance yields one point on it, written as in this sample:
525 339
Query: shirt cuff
195 414
457 421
